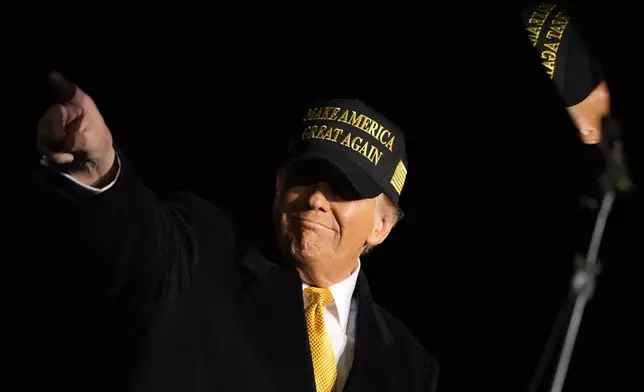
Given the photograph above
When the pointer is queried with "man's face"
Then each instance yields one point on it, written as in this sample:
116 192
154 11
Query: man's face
321 223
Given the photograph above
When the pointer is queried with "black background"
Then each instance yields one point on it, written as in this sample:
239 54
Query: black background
482 261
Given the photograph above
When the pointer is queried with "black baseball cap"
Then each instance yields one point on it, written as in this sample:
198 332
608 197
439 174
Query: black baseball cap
562 51
356 141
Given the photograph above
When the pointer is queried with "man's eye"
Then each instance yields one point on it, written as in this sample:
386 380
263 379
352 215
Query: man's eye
294 180
310 173
345 192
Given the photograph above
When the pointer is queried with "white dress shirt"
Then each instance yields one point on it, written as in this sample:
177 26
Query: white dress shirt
340 320
339 317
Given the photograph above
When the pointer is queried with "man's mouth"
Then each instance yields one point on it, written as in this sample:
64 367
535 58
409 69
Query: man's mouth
312 223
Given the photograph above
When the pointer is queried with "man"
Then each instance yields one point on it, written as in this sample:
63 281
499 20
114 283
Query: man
574 69
172 300
578 77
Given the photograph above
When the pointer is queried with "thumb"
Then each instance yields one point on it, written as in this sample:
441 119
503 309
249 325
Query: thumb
67 91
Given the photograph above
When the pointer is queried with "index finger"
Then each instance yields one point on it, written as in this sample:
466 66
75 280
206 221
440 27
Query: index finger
67 91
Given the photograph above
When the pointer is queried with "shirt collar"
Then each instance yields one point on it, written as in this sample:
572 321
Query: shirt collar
342 295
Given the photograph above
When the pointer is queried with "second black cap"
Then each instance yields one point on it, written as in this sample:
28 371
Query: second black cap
564 55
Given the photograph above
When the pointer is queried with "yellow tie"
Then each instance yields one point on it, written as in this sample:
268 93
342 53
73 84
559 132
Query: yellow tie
324 367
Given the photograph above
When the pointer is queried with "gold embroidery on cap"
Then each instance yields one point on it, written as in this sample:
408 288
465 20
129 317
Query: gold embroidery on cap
553 36
366 141
398 179
536 21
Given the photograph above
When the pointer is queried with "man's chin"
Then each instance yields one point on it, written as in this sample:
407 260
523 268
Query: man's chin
302 251
306 255
292 253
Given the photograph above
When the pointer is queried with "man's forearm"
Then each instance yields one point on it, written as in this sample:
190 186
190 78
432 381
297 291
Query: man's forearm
120 227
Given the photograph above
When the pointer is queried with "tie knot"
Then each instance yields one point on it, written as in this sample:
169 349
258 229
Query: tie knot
320 296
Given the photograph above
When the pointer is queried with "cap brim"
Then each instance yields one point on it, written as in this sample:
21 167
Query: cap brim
362 183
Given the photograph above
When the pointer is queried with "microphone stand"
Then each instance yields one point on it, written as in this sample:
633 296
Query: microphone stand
583 284
587 269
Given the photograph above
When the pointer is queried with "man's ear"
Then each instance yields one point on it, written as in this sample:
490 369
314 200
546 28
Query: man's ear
383 224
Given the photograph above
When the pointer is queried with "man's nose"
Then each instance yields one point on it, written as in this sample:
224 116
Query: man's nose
318 198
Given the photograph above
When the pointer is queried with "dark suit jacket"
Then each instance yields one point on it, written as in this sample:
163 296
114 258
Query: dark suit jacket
132 293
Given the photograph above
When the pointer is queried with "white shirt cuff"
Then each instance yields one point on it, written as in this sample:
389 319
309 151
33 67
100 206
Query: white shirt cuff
88 188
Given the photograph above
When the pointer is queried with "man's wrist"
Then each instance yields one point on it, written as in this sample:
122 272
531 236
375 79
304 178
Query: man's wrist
107 177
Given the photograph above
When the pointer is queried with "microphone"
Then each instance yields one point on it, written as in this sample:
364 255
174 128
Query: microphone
616 175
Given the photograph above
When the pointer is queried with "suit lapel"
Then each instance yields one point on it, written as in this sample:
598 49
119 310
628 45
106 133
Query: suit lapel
276 320
369 370
275 310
